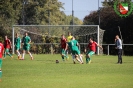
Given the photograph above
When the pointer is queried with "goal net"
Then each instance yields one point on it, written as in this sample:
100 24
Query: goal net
46 38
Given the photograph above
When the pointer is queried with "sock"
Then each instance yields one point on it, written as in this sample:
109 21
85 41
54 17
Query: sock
65 55
30 54
0 74
73 57
9 54
4 55
80 58
87 60
63 58
23 55
18 53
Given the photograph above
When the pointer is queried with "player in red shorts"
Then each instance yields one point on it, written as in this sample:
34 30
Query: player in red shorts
91 49
7 46
1 55
64 47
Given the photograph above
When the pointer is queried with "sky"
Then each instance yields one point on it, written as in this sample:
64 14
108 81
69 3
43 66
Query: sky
81 8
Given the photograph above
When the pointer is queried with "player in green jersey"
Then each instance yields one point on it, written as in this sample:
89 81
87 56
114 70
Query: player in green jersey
75 50
17 43
26 45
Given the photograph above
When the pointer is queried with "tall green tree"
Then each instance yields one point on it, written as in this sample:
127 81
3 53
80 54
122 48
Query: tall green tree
9 14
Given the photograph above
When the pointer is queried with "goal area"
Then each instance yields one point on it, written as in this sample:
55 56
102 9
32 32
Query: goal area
46 38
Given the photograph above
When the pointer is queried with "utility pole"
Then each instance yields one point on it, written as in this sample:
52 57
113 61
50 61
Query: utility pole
72 17
23 13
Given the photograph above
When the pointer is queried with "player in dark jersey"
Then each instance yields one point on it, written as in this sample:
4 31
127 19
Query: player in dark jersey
7 46
64 47
91 50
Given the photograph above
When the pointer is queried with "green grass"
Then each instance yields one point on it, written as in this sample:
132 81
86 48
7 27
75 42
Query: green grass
43 72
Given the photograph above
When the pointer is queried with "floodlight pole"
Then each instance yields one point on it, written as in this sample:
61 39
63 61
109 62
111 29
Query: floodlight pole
99 12
72 17
98 28
23 13
48 20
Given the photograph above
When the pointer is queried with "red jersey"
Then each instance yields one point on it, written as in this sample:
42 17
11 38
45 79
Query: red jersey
63 43
1 50
7 43
92 46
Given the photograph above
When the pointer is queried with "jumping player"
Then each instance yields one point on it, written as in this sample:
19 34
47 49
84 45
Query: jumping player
64 47
26 46
7 46
91 50
1 54
17 43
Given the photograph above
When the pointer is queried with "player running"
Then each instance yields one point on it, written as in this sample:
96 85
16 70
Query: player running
17 43
7 46
64 47
75 50
91 50
1 54
26 46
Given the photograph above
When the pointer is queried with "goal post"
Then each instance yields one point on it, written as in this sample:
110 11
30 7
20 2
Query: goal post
50 34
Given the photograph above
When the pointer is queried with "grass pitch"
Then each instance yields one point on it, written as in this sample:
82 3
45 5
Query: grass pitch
43 72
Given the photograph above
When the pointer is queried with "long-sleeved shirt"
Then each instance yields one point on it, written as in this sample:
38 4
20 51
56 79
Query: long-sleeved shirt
118 44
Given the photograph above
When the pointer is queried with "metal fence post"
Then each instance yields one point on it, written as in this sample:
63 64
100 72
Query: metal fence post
108 49
98 39
13 40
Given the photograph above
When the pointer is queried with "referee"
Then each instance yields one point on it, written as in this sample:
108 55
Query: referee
118 44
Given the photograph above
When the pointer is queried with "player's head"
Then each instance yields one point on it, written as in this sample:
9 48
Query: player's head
69 33
117 37
6 37
17 34
62 36
26 33
91 40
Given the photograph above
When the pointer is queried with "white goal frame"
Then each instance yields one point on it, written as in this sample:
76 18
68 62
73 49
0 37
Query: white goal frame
13 31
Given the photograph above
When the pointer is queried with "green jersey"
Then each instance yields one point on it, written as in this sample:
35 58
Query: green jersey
73 45
26 40
17 41
74 48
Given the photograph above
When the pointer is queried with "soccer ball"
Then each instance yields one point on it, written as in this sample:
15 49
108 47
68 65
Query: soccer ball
57 61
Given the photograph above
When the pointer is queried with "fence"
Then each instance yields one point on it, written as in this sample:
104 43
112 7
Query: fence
111 47
54 48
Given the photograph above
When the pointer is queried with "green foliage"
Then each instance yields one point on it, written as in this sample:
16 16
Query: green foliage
32 12
109 21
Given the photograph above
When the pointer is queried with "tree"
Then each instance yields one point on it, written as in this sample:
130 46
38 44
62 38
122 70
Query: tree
109 21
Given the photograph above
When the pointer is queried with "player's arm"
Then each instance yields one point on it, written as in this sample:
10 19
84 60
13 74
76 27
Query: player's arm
86 48
22 42
78 45
29 40
99 46
10 43
66 46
